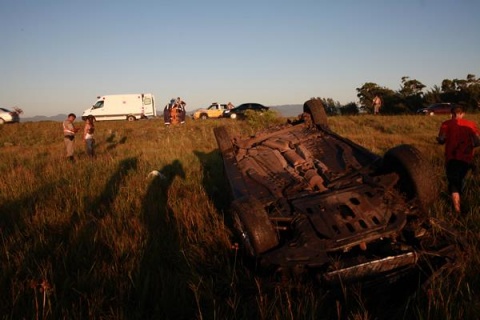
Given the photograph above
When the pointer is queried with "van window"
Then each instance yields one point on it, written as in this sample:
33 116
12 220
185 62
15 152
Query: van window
99 104
147 100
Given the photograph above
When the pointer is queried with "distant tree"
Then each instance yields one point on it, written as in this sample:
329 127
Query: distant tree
433 95
411 93
410 96
366 93
349 109
448 86
369 90
465 91
472 91
331 106
411 87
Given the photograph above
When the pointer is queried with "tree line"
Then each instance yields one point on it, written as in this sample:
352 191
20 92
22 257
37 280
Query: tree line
411 96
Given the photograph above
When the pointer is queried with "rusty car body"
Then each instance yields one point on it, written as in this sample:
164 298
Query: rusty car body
308 200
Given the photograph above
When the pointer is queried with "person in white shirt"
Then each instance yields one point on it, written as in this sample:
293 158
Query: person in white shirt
88 132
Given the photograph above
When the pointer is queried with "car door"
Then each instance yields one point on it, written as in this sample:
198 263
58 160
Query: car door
215 111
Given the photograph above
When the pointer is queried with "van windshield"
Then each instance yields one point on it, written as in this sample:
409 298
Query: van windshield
99 104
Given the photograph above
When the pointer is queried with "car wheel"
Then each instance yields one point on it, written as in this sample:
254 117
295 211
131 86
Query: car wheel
257 232
233 116
316 110
415 173
203 116
432 113
223 139
131 118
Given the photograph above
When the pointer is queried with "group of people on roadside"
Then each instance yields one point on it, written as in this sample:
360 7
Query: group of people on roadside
69 131
174 112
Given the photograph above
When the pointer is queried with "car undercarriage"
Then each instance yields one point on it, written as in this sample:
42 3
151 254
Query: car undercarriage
308 200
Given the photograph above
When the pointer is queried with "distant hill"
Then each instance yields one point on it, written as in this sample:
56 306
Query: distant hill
58 117
289 110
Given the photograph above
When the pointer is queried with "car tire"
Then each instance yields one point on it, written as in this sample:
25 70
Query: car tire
233 116
415 173
203 116
317 111
131 118
257 232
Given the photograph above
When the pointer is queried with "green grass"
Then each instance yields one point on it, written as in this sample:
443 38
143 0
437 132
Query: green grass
100 239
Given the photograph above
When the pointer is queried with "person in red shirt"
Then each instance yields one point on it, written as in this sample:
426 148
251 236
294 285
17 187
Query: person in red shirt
460 137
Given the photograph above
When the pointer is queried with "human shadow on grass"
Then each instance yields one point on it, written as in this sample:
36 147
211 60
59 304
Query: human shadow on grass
16 222
112 144
14 213
86 249
101 206
214 181
72 249
161 285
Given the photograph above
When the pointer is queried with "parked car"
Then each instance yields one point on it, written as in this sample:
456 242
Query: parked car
308 201
215 110
437 108
239 111
7 115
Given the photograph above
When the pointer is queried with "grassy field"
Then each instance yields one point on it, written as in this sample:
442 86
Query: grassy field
101 239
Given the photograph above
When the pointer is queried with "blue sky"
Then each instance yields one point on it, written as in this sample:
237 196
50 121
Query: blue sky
57 56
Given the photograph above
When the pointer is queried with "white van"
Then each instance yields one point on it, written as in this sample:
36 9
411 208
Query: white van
122 107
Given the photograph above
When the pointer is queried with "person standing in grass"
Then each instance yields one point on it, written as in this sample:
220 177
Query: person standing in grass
69 131
88 135
460 137
377 104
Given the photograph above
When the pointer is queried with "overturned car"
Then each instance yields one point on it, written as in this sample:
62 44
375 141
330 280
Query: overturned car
306 200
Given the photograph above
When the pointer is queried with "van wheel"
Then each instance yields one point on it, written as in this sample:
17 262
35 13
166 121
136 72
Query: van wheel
131 118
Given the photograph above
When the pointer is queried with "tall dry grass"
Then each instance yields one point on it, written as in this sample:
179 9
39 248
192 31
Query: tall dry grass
101 239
